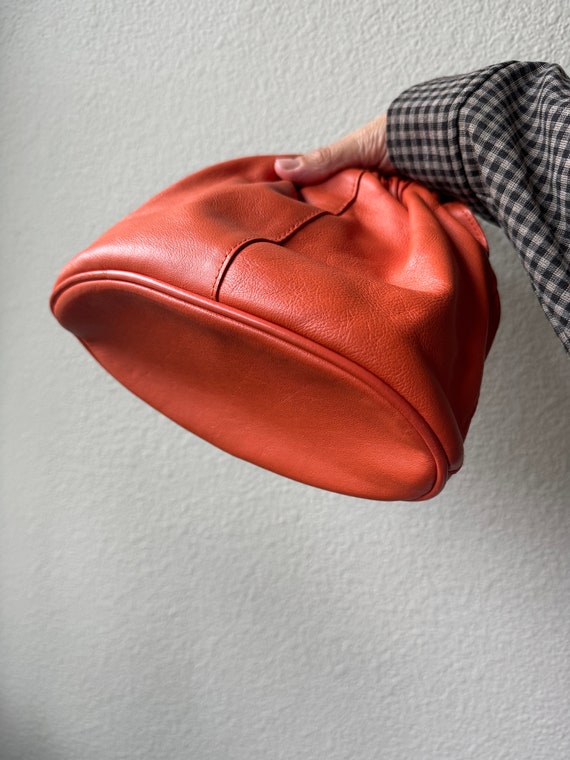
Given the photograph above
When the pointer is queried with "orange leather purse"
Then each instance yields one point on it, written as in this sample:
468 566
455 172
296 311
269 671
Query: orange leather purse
334 333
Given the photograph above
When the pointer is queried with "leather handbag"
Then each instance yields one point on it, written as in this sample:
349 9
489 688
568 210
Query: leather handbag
334 333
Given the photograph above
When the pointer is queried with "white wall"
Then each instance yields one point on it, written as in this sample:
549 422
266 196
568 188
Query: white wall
160 599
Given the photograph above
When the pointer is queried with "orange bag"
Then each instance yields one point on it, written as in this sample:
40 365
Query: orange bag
335 334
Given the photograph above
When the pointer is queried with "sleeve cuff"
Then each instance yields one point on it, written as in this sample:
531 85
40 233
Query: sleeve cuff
425 131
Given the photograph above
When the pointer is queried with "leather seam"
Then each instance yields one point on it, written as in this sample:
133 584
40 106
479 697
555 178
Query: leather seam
314 214
278 332
236 248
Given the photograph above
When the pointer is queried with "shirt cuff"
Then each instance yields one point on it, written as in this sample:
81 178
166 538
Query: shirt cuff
426 135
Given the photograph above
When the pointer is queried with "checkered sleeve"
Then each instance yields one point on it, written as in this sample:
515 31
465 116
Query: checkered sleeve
499 139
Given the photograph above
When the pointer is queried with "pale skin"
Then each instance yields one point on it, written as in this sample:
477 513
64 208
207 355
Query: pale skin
364 148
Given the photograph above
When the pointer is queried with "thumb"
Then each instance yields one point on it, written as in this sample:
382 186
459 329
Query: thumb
365 148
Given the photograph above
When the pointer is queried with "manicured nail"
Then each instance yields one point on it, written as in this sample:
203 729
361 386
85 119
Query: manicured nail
288 164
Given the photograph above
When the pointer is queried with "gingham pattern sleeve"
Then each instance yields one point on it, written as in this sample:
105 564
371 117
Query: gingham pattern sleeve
499 139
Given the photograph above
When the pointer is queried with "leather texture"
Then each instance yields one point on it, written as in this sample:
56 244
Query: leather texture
335 334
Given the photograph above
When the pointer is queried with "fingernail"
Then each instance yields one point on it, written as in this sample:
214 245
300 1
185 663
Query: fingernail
288 164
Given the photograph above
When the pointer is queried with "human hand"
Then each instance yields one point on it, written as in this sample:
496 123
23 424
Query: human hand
364 148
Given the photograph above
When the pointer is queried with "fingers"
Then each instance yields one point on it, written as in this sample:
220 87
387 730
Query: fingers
365 148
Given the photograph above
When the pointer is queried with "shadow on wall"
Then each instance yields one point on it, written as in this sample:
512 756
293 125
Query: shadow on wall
521 429
28 740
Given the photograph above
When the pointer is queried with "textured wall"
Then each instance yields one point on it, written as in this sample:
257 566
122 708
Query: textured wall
160 599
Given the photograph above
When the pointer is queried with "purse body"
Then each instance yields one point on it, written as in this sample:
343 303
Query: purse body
335 333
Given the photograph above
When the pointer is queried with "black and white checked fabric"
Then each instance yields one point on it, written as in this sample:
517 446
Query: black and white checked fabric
499 139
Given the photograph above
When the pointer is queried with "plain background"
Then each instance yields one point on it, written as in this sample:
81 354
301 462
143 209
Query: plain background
160 599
